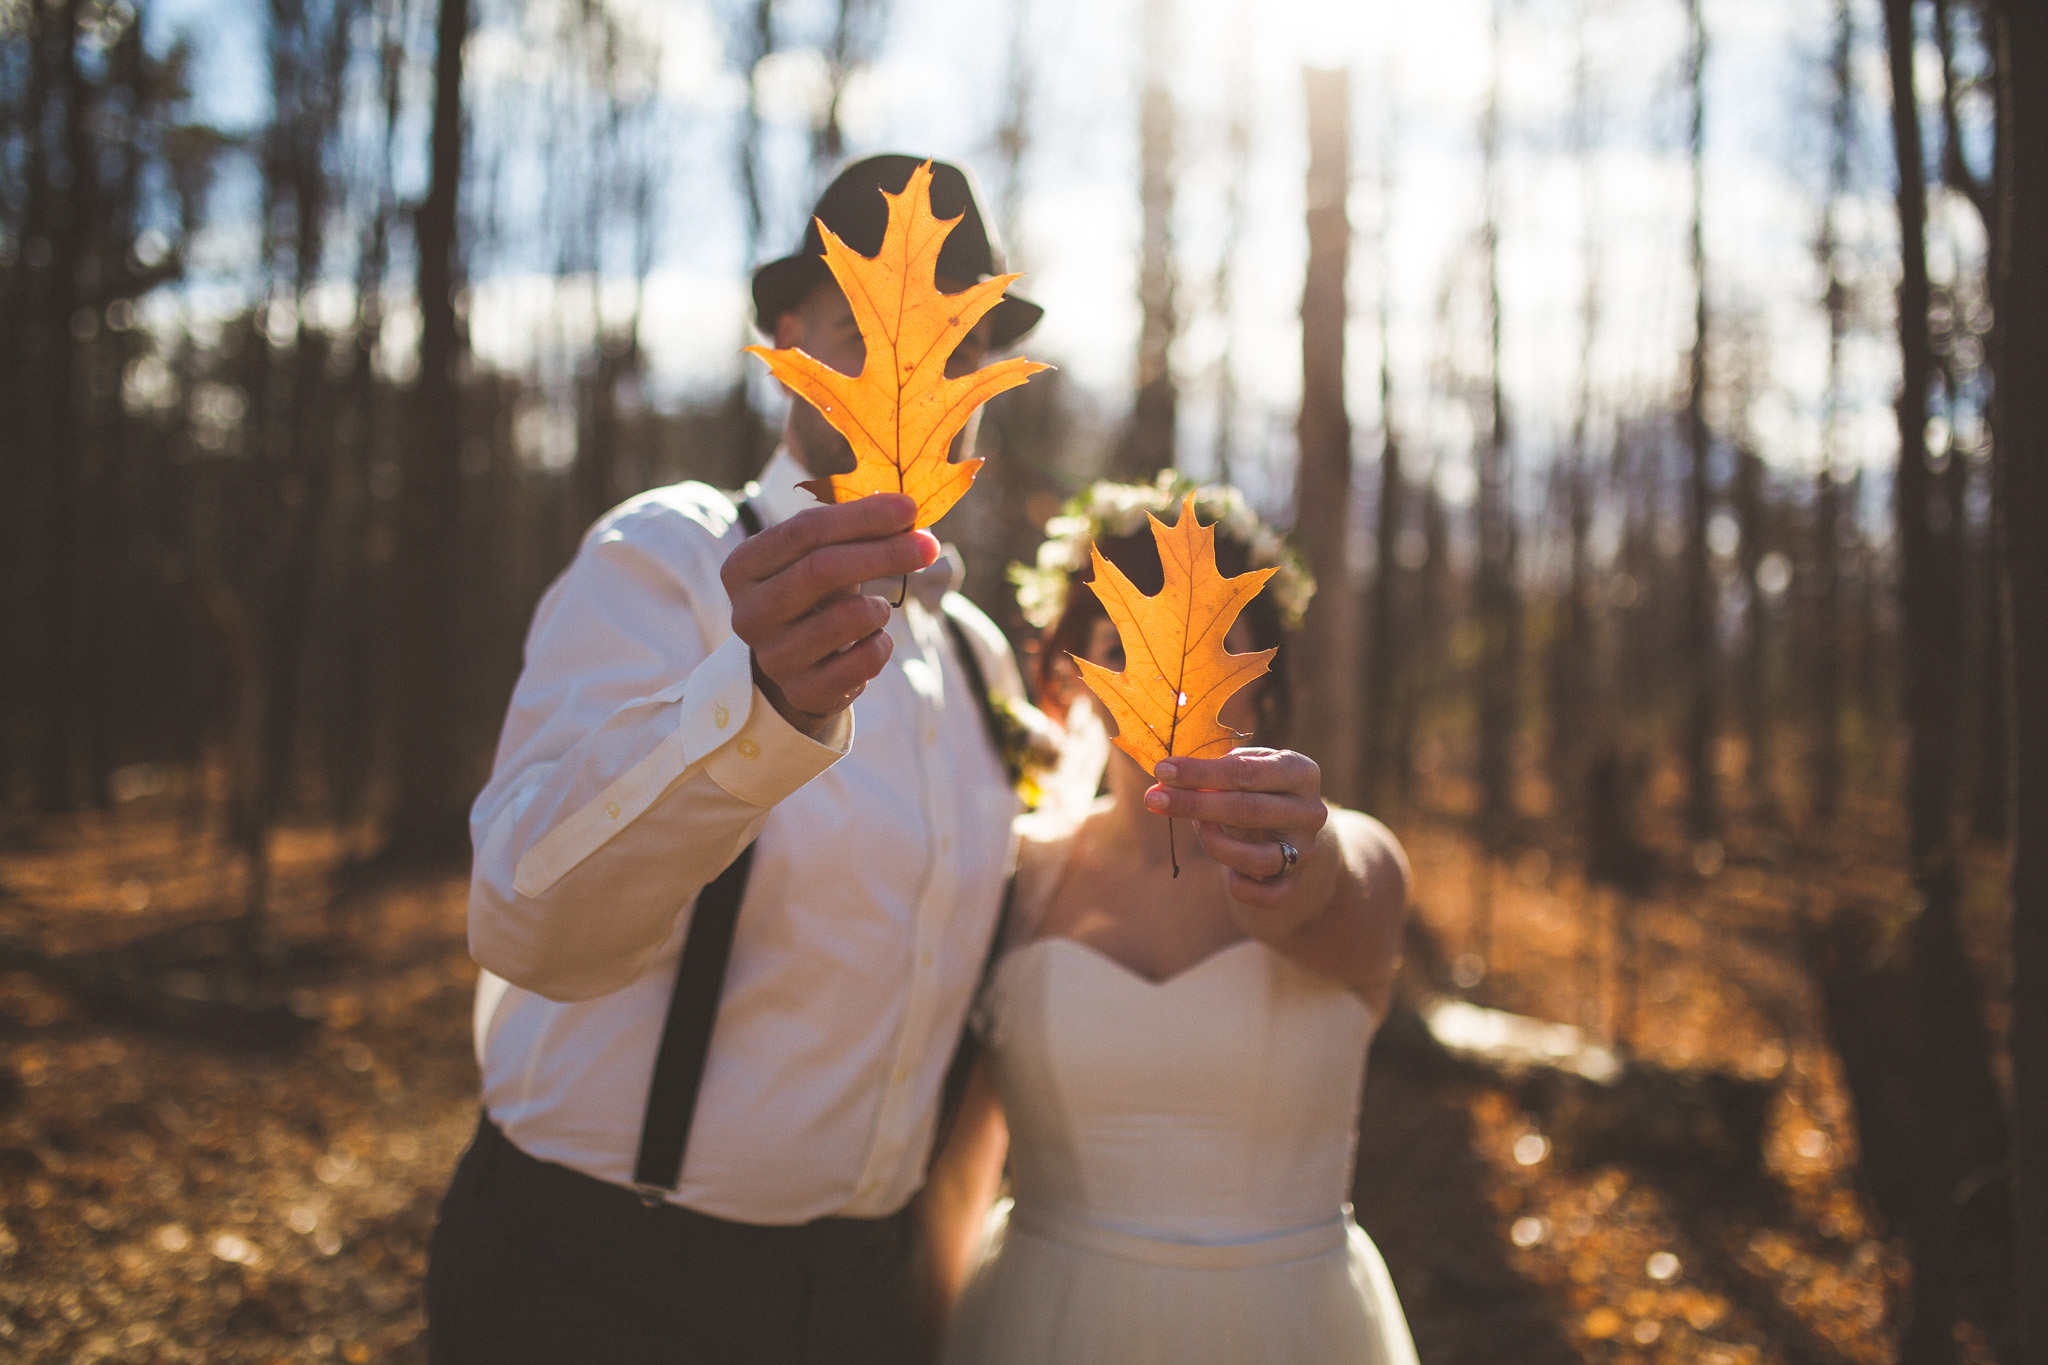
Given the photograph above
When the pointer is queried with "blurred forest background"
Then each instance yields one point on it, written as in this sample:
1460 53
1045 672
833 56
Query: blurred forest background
1656 388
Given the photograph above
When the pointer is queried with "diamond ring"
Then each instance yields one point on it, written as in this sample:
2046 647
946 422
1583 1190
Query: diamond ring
1289 856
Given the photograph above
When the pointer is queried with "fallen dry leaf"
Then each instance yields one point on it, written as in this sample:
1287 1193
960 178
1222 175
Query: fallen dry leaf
901 412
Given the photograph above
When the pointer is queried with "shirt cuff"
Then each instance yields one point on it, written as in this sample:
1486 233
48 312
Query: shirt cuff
766 758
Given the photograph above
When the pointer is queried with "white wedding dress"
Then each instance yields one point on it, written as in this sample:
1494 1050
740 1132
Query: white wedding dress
1180 1156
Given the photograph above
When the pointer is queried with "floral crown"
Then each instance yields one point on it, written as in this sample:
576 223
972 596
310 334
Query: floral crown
1111 509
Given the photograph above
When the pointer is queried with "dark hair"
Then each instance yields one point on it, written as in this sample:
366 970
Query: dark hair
1137 554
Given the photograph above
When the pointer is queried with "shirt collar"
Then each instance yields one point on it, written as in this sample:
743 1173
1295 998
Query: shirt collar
775 494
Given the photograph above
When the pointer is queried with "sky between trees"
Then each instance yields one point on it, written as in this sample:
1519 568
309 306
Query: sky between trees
1593 110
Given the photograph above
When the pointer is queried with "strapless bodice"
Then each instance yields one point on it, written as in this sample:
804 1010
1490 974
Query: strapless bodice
1217 1106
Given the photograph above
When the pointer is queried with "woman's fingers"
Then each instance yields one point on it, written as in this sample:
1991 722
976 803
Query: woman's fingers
1245 770
1251 789
1255 853
1248 807
1247 810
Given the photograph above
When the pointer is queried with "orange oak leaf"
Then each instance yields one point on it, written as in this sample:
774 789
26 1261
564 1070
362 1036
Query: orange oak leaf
901 412
1177 674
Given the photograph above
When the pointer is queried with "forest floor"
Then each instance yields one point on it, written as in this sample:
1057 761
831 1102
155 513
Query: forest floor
251 1176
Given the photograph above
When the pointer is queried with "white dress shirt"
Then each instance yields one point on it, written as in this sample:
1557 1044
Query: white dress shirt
637 760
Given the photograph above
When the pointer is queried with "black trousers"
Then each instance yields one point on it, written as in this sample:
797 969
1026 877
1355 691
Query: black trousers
536 1264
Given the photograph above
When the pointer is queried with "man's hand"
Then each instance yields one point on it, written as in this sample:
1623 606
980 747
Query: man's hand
796 601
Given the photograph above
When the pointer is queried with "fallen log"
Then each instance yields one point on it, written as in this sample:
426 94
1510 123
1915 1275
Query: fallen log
1594 1104
211 1002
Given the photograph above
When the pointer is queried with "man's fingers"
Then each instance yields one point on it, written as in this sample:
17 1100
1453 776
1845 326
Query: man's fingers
830 684
1255 770
831 571
795 649
763 556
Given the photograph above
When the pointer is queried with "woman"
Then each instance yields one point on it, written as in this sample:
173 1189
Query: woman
1174 1064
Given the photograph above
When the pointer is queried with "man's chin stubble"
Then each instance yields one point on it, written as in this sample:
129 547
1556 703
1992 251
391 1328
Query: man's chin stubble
825 452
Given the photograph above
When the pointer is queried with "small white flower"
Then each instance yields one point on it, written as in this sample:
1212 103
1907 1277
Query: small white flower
1121 509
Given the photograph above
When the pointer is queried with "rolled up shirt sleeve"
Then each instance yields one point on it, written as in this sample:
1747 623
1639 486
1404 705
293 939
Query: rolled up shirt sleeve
637 760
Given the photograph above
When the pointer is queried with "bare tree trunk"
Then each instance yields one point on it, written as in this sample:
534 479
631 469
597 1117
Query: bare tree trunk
25 328
57 378
988 527
1322 488
18 114
1636 473
1571 671
1237 153
2020 285
1499 610
757 43
1429 635
1013 137
309 50
1956 1099
434 781
746 433
1571 661
1826 637
1989 801
1383 639
1825 777
598 473
853 25
363 529
1754 697
1702 814
1148 445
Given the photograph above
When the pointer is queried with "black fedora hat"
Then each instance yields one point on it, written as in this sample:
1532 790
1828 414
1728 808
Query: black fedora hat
853 207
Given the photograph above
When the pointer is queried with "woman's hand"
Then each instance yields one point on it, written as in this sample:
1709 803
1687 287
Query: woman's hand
1249 807
1339 909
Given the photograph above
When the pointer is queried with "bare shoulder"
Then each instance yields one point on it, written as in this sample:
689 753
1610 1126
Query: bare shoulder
1371 847
1044 844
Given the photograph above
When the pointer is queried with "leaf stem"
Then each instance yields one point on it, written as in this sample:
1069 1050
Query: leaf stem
1171 852
902 590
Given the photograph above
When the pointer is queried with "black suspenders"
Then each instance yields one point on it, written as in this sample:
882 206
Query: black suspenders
700 979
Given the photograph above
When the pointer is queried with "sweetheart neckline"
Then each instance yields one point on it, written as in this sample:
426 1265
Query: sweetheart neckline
1124 969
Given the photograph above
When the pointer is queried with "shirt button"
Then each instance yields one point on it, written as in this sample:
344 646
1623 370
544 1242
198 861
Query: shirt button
749 749
902 1075
931 734
924 959
611 808
719 715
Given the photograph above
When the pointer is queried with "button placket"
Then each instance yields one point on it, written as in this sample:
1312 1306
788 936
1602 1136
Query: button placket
896 1118
899 708
941 886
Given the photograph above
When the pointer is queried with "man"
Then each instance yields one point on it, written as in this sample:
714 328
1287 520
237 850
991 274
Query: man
691 690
